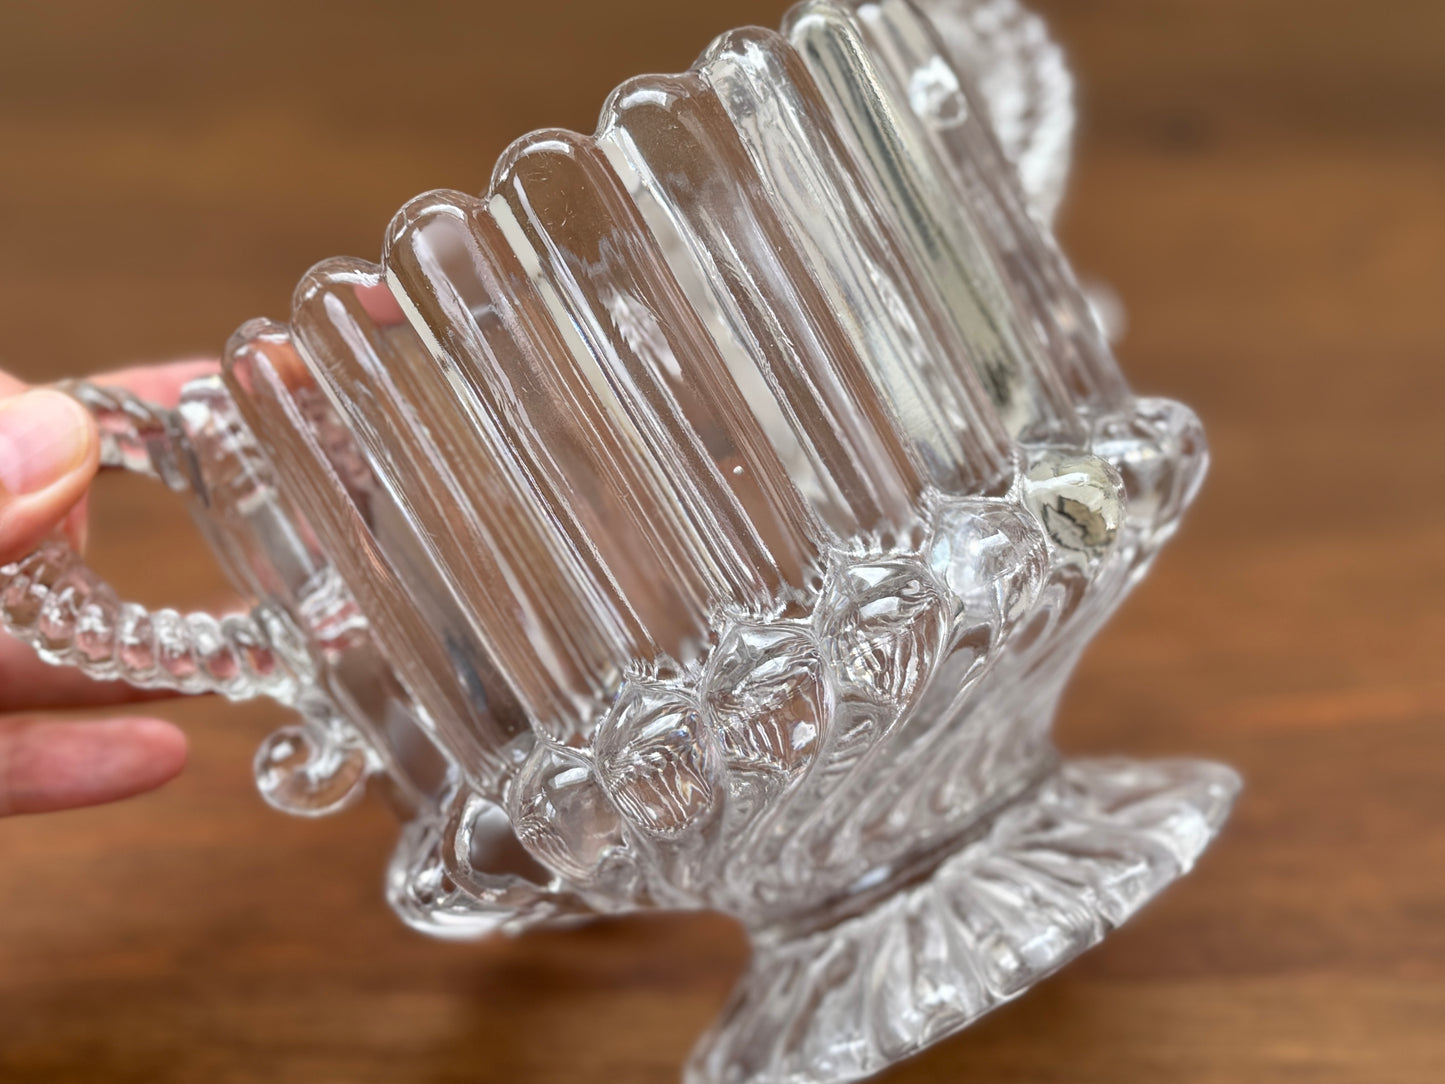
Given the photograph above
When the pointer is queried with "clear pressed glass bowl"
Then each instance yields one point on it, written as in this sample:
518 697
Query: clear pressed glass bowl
708 515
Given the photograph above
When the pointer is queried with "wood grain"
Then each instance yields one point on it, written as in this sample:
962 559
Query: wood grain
1263 181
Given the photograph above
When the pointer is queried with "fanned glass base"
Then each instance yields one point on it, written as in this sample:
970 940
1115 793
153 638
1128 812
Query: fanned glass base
1055 872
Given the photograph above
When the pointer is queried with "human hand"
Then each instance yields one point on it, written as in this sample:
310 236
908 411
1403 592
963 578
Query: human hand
49 452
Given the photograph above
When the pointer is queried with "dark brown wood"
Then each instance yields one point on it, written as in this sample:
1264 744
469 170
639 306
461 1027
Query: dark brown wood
1263 181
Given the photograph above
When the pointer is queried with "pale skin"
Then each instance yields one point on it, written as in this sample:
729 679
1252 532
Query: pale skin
49 454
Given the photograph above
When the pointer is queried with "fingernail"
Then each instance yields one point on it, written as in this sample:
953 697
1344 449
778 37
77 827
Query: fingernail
44 435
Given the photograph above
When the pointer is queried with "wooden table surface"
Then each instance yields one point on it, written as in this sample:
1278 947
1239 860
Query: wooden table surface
1263 181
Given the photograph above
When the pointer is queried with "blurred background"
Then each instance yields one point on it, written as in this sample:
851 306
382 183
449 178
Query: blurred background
1263 184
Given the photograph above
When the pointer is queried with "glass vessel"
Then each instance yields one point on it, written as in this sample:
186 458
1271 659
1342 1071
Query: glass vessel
708 515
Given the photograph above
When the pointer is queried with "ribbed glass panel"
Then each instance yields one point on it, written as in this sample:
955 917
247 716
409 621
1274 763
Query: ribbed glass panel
491 334
895 321
771 320
536 608
574 223
986 188
907 176
475 716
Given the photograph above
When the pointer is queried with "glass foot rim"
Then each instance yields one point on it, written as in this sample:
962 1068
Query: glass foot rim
1055 872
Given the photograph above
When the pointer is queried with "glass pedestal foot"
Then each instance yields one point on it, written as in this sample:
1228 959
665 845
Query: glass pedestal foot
1049 877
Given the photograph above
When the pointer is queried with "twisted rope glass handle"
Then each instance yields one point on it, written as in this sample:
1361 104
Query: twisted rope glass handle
55 603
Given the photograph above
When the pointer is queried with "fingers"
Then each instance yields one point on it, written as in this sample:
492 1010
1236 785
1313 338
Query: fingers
49 452
48 449
159 384
381 304
28 684
48 766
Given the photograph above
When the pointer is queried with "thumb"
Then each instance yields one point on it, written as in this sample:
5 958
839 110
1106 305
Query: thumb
49 452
